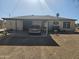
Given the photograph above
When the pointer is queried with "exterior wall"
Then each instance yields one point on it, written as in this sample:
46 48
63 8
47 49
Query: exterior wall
7 25
46 24
10 24
37 23
61 25
50 25
19 24
14 24
72 25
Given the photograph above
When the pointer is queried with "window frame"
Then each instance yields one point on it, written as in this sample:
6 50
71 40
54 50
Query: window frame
66 24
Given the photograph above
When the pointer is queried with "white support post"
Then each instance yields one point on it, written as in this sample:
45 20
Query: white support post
16 24
47 29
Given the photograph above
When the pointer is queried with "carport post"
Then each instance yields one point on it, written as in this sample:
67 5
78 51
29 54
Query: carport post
16 24
47 28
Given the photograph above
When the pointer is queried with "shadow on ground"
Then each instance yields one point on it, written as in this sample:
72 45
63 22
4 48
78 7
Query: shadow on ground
29 41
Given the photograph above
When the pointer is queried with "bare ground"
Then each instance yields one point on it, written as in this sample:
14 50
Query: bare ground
68 49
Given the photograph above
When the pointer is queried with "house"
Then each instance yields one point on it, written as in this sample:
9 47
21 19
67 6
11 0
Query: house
49 22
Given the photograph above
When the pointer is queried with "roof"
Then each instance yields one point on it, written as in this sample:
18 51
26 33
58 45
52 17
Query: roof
37 18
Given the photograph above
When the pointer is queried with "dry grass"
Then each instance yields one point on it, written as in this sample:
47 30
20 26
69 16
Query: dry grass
68 49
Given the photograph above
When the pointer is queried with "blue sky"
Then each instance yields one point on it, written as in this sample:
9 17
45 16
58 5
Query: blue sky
66 8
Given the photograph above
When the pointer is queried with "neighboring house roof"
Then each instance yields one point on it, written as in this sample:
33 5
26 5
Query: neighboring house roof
38 18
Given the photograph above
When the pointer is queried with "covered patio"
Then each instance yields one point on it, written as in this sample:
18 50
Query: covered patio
18 25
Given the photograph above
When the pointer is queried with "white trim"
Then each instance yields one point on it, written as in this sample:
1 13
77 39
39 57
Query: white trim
47 28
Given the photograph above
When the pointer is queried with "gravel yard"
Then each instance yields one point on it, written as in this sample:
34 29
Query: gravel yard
67 48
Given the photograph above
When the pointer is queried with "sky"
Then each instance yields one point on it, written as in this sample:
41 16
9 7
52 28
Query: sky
66 8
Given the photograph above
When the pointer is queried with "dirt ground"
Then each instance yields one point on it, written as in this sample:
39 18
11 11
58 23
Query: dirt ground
68 49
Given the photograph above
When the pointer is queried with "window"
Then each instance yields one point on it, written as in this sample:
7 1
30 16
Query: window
66 24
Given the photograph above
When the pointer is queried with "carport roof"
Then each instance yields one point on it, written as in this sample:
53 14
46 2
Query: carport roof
32 17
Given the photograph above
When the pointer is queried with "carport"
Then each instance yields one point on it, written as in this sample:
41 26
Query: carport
17 24
43 24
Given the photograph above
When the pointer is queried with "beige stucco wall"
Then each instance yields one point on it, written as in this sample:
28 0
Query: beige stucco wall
11 24
61 25
72 25
50 24
19 24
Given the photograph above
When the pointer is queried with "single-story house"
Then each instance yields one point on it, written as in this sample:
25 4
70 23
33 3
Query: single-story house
50 22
